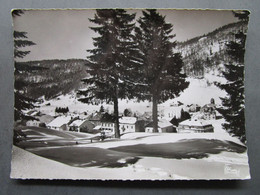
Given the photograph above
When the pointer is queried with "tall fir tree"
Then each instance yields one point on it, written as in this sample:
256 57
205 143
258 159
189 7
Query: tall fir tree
114 61
162 68
22 102
234 103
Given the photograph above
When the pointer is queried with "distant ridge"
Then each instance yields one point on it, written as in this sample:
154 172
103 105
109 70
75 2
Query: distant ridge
201 54
60 77
207 53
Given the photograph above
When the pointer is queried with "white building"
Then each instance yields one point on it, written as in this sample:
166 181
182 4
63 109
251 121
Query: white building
81 126
164 126
60 123
34 123
127 124
108 125
194 126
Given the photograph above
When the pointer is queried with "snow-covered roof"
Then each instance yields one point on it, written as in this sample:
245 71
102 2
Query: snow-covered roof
128 120
32 112
95 117
161 124
46 118
59 121
164 123
195 122
97 127
77 123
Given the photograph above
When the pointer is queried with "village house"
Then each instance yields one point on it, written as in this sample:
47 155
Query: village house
95 118
34 123
81 126
126 124
45 118
130 124
60 123
107 122
194 108
208 111
194 126
164 126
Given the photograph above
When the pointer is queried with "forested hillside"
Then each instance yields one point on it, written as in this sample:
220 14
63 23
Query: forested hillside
208 52
58 77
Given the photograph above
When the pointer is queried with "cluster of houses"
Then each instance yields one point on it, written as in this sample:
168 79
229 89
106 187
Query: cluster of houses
199 122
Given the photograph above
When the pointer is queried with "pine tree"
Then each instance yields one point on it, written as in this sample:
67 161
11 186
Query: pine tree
127 112
234 104
114 61
22 102
101 109
161 66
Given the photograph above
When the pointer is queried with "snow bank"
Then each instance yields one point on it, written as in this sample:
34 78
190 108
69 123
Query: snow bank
26 165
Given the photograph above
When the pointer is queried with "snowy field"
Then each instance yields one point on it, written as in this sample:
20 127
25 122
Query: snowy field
52 154
167 156
135 156
222 166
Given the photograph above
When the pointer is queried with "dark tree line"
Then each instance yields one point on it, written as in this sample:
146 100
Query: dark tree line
62 110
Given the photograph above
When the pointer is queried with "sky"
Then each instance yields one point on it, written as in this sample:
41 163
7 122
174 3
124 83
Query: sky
65 34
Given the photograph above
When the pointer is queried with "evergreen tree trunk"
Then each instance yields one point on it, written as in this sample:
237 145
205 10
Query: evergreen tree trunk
117 132
155 112
160 66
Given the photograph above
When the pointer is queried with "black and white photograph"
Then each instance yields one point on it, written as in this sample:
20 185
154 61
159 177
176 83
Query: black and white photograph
129 94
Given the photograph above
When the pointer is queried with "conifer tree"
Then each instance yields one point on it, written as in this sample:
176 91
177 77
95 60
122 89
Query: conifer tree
162 68
234 103
101 109
114 61
22 102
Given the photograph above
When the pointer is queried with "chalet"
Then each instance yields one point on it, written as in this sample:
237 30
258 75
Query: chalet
131 124
34 123
194 126
95 118
194 108
208 111
60 123
81 126
107 122
164 126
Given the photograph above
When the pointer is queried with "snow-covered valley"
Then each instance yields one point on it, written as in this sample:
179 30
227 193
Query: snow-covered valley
200 91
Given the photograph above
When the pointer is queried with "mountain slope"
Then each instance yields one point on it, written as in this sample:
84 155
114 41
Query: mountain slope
203 56
208 52
58 77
